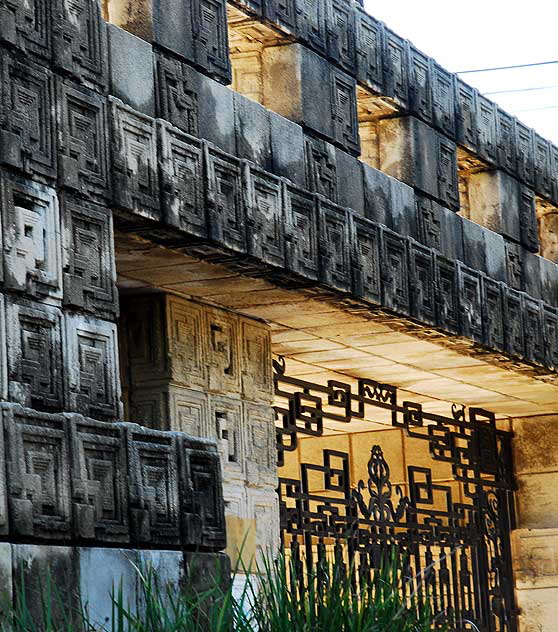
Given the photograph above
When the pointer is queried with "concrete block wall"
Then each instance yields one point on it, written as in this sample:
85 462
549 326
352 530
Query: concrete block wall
194 368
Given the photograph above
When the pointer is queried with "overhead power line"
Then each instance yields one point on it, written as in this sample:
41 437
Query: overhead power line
521 90
541 63
546 107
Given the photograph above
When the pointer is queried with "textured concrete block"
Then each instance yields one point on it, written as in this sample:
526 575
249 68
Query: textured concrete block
223 358
321 168
153 487
287 147
439 228
79 41
135 177
396 68
447 294
34 351
32 250
27 108
31 566
413 152
83 140
255 350
225 200
470 302
303 87
38 473
422 282
217 123
92 375
486 119
102 574
260 445
181 160
301 227
366 239
493 313
227 427
443 100
466 108
201 497
99 482
27 27
89 270
350 185
131 62
524 140
394 272
204 569
265 216
334 245
514 330
369 50
253 131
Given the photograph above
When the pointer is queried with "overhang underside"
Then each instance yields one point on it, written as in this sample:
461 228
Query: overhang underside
321 341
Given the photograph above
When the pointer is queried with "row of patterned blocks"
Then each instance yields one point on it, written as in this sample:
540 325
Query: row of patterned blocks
405 80
69 479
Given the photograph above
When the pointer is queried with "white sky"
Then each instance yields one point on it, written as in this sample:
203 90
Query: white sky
474 34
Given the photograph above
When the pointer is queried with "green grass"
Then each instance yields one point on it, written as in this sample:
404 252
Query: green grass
331 601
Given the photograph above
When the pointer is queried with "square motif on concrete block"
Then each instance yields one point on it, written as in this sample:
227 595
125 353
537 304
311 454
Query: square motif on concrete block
88 256
27 117
99 481
182 181
32 249
93 383
79 40
257 378
82 121
34 345
177 94
261 448
135 164
228 428
37 449
186 342
221 330
153 484
189 411
202 506
27 25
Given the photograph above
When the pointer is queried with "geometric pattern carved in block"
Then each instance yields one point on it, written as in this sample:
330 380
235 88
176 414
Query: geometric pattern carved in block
27 119
201 499
93 382
334 234
344 111
188 411
145 331
27 25
182 181
366 259
469 284
186 342
149 406
88 256
34 343
32 256
153 485
423 282
135 161
395 271
264 217
99 481
211 39
79 40
261 448
321 168
82 121
447 294
227 428
223 361
533 326
514 333
177 94
493 315
225 199
302 241
257 376
37 451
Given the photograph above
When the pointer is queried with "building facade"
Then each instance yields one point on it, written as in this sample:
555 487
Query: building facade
278 242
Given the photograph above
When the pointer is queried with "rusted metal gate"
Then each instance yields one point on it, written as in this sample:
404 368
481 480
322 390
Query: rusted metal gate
459 553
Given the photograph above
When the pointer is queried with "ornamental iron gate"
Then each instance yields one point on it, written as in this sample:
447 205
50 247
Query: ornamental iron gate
460 551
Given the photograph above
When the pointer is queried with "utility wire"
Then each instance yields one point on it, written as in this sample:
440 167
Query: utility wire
521 90
547 107
542 63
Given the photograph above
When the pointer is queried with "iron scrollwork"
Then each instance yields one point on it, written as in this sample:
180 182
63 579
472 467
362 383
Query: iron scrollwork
456 543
